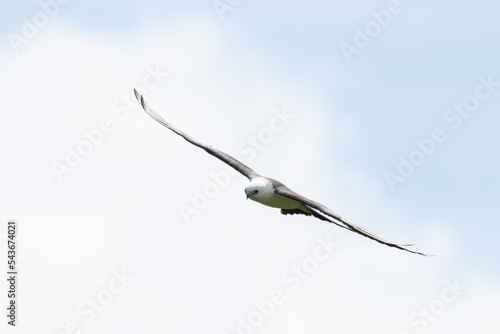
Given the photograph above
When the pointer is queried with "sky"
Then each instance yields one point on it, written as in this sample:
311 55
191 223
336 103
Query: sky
384 111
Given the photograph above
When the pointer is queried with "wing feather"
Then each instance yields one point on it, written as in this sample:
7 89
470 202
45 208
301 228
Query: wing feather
322 212
226 158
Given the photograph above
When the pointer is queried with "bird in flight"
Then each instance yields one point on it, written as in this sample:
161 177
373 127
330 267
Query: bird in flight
271 192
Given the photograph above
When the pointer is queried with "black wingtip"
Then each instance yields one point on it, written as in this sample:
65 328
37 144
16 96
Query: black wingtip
403 247
419 253
434 256
140 98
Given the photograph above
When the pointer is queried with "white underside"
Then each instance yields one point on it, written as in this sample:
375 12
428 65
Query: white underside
262 190
277 201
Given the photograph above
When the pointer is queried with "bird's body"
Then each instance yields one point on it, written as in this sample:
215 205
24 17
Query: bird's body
273 193
262 190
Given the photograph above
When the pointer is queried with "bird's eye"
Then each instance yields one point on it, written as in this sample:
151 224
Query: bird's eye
256 192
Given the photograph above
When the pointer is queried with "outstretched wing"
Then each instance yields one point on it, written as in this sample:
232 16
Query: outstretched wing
239 166
322 212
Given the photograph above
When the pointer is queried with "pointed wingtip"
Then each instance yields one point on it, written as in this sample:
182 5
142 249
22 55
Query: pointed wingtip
140 98
137 95
419 253
433 256
404 247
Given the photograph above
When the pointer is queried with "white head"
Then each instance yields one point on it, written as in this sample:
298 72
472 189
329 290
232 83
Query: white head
259 189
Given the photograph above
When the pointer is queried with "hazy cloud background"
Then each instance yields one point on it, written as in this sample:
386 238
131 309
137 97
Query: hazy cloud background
119 209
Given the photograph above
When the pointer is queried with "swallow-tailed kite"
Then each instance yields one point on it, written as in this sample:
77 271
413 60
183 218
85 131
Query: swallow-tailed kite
271 192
